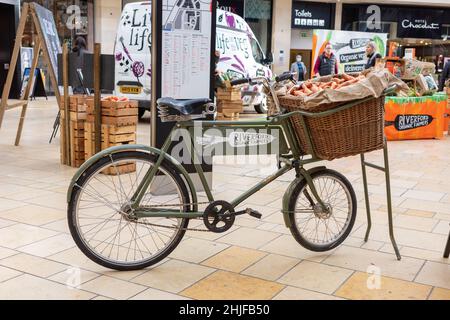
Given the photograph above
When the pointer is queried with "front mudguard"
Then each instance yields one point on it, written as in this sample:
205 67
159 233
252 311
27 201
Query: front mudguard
289 193
141 148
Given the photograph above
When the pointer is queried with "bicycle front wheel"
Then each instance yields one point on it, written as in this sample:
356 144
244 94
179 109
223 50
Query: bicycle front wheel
317 229
99 212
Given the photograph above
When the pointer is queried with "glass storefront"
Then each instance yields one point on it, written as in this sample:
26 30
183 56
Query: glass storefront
73 18
307 16
257 13
422 30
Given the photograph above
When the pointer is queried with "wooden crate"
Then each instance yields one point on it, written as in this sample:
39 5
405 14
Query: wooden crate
78 115
111 136
448 109
230 106
228 116
229 103
119 127
229 93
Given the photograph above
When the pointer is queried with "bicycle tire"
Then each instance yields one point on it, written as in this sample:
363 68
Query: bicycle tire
297 234
72 214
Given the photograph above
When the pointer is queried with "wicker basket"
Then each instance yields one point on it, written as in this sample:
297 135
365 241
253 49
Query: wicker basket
356 130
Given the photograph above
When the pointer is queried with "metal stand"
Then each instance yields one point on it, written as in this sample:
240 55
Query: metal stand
55 127
447 248
365 164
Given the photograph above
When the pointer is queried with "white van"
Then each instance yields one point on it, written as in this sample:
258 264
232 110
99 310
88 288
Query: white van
241 55
133 54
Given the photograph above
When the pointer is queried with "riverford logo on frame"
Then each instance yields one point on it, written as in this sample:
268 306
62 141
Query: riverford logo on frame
238 139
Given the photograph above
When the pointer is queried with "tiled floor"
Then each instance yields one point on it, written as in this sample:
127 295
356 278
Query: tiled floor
254 260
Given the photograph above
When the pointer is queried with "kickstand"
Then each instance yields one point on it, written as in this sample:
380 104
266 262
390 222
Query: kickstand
365 164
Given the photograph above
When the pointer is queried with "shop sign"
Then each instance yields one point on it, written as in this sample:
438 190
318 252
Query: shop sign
311 15
233 6
413 23
409 122
349 47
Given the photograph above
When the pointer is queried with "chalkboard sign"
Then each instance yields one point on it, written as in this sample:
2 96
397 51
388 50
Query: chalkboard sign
49 33
47 39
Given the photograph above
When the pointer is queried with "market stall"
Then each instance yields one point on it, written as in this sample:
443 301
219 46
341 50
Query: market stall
409 118
422 113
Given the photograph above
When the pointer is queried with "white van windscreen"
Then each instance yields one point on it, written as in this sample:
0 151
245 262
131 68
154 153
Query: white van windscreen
235 50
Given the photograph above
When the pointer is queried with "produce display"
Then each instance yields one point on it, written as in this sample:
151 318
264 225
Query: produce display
311 87
115 99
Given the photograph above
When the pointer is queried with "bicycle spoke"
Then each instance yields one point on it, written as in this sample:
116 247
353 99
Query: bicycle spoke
123 240
316 225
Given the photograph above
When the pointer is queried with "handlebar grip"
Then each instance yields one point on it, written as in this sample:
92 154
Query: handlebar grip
239 81
284 76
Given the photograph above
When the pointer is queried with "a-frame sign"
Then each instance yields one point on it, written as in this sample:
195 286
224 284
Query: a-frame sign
48 41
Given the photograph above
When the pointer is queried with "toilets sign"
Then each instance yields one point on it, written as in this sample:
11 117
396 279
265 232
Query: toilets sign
311 15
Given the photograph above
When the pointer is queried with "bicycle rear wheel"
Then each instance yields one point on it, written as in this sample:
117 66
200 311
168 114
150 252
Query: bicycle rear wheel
314 228
100 219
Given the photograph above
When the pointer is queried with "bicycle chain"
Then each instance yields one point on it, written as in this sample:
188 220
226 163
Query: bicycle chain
174 227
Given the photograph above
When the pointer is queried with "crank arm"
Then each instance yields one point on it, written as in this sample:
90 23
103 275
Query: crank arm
250 212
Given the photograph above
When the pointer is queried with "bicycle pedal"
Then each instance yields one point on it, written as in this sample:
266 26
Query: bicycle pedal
254 214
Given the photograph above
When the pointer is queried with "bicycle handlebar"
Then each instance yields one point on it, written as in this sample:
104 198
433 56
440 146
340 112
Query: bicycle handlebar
284 76
240 81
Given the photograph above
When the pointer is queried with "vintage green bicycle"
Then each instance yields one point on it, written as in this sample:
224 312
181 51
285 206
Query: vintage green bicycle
133 220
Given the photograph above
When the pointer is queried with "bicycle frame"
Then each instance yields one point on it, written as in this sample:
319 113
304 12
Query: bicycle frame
291 161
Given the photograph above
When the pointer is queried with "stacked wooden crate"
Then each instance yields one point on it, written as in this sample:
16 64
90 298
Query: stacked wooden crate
119 127
229 103
77 116
448 108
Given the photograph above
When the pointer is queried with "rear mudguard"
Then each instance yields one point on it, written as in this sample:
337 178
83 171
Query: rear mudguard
289 193
142 148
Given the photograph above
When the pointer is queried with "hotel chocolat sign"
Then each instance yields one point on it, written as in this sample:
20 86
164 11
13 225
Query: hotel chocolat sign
311 15
413 23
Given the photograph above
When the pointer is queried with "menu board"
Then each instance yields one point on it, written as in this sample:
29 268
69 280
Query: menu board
186 49
50 34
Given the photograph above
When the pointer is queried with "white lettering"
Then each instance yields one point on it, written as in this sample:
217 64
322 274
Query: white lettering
374 20
74 18
419 24
303 13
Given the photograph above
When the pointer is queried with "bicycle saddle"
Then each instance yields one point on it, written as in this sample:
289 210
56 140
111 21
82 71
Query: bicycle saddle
184 107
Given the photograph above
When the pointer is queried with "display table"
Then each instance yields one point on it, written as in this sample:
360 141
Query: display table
409 118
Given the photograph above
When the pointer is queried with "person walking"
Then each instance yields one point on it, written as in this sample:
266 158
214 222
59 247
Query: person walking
80 46
80 49
372 55
299 68
326 64
445 75
439 64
